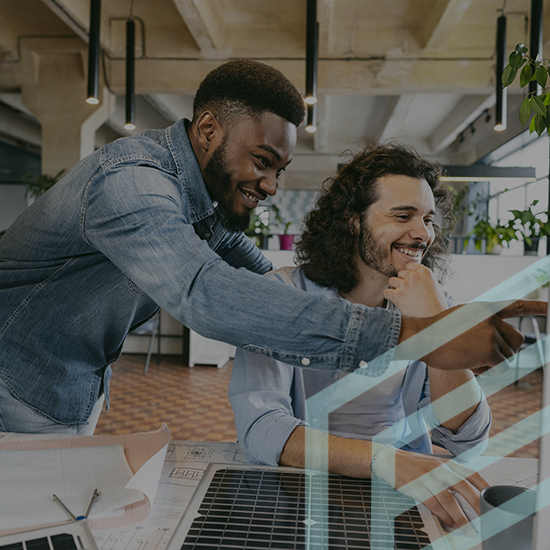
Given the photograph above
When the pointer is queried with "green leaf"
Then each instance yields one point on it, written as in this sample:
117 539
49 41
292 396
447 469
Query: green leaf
540 124
532 125
546 99
542 75
525 75
515 60
524 111
538 106
508 75
521 48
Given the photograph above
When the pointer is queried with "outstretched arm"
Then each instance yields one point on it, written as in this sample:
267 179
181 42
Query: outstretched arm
473 334
401 469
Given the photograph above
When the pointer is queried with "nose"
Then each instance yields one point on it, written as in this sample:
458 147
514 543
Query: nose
421 231
269 184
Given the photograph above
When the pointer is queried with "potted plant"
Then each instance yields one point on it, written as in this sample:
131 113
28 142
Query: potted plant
531 227
258 228
39 185
495 236
285 240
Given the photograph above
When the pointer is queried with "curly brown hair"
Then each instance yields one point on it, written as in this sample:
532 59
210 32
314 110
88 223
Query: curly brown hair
325 250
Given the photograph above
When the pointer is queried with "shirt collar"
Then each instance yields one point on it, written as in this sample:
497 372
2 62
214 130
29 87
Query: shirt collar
187 166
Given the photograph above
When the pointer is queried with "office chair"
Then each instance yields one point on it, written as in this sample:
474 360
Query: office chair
534 337
152 329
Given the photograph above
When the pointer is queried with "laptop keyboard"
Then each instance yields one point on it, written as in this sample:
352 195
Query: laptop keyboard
261 509
528 482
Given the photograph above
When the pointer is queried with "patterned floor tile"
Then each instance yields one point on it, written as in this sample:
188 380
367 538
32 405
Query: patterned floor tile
194 404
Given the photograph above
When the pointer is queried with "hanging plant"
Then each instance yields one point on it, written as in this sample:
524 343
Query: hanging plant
534 107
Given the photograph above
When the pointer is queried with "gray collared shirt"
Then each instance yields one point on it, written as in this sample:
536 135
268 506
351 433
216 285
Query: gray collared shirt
270 399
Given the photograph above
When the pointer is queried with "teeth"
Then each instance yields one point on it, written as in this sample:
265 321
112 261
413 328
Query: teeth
251 197
413 253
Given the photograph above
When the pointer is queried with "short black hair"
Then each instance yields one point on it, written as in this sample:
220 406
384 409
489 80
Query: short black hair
245 85
325 250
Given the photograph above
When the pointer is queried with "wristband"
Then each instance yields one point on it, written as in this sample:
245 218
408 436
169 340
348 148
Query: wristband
375 456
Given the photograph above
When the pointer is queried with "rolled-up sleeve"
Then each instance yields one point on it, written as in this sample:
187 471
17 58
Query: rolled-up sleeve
471 439
261 392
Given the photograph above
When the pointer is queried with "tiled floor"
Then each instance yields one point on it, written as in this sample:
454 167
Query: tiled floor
194 405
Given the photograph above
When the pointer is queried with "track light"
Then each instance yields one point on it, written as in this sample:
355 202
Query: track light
487 116
130 74
472 129
461 137
93 53
501 92
312 52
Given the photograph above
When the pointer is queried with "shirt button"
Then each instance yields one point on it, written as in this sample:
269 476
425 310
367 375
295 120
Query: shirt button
208 235
363 365
306 361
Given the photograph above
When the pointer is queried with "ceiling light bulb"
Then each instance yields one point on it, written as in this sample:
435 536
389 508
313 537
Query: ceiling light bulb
500 127
129 126
310 128
310 100
92 100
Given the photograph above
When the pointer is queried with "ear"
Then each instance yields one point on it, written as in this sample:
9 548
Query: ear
208 130
355 224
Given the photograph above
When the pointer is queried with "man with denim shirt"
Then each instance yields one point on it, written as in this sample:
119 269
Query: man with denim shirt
155 220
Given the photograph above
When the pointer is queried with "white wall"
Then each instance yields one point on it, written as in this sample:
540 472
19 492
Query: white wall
12 204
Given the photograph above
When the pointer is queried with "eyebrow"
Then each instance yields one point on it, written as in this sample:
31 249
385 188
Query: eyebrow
274 152
409 209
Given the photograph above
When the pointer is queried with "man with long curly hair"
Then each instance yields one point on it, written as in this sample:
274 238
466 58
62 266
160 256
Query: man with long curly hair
373 238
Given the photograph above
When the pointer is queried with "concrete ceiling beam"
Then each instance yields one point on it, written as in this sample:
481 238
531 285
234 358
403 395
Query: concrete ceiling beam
350 77
173 107
73 13
444 17
19 127
202 23
396 113
467 111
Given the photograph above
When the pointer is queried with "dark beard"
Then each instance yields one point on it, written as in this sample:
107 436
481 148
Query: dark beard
373 254
219 185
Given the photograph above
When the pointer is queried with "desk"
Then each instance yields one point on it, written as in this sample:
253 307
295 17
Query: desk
183 468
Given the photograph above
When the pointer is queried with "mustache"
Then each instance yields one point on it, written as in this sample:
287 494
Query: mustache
417 246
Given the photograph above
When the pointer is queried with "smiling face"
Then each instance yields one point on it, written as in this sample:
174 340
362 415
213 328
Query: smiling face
398 227
245 166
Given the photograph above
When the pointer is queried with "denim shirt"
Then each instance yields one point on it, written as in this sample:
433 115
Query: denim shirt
132 228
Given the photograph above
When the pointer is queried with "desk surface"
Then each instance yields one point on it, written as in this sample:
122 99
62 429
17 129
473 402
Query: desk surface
183 468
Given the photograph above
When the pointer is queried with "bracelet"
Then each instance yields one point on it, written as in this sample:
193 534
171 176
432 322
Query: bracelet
375 456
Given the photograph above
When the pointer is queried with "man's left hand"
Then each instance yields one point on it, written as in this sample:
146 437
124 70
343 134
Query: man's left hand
415 292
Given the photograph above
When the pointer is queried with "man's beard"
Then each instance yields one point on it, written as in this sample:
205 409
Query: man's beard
220 188
375 255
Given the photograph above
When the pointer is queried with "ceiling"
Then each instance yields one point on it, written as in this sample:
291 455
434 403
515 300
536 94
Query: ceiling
421 71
